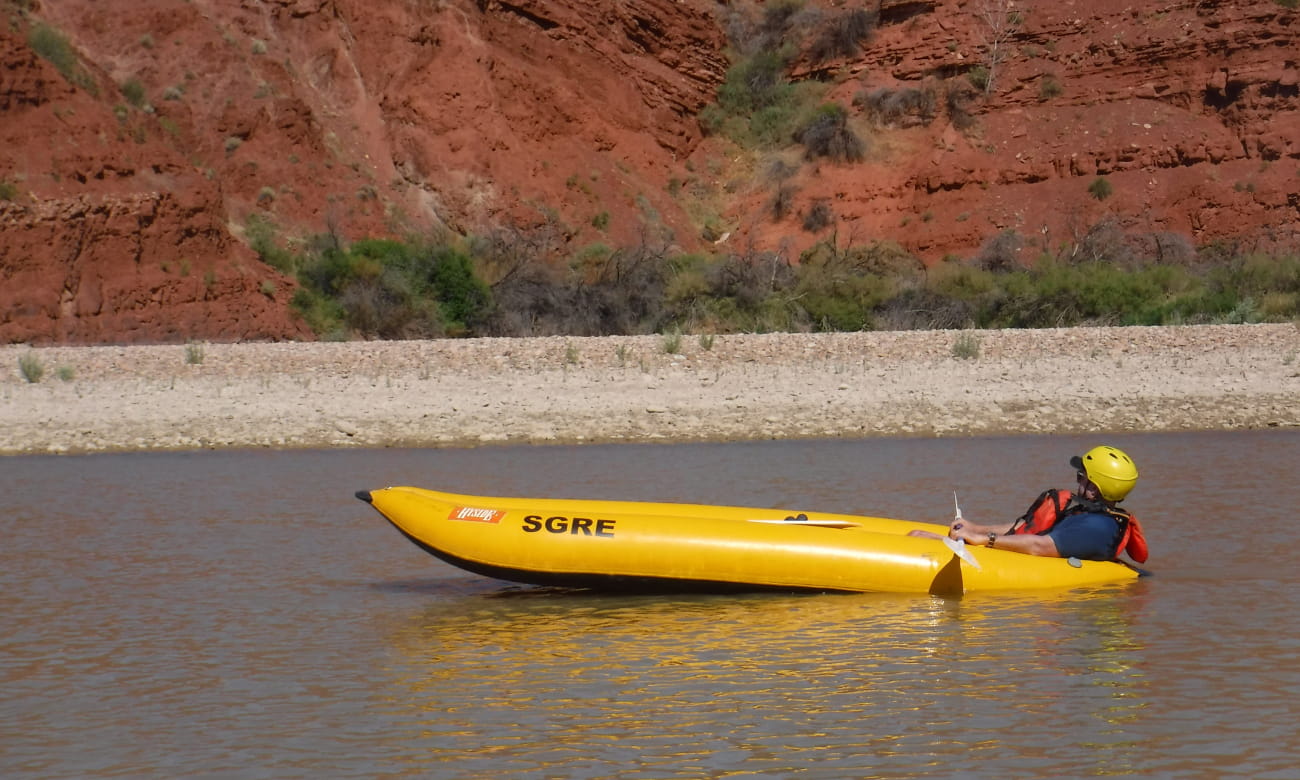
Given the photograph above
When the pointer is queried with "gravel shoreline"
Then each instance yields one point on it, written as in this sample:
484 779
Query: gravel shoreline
459 393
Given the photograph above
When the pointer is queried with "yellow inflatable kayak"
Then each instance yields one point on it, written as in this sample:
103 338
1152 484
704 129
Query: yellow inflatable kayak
628 545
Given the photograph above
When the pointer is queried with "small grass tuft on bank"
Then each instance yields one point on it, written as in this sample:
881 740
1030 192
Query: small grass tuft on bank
194 353
672 342
966 346
31 368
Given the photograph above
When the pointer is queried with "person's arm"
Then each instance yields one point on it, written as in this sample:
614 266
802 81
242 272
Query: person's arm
1029 544
964 529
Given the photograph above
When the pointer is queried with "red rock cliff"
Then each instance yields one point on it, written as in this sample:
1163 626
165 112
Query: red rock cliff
127 186
129 194
1190 110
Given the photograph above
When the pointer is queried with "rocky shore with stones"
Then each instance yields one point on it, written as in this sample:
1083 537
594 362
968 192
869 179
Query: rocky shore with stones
474 392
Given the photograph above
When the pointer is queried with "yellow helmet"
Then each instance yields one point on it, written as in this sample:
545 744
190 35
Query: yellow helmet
1113 472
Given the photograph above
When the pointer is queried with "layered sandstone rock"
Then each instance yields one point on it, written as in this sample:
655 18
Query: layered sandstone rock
128 194
321 116
1190 110
108 235
152 267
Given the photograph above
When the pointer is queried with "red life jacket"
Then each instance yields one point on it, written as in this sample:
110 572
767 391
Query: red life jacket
1055 504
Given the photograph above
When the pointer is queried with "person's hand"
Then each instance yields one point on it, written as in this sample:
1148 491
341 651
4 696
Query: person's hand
961 530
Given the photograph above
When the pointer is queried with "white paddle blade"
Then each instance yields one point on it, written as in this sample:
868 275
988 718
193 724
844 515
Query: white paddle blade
958 548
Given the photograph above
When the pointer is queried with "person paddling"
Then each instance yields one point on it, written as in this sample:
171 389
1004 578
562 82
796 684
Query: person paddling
1087 523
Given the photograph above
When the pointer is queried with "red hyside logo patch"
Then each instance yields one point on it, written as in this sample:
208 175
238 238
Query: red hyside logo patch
473 515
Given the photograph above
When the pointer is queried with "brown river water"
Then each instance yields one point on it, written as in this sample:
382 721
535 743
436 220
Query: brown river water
241 615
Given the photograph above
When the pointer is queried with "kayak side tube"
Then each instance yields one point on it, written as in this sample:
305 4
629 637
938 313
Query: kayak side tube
627 545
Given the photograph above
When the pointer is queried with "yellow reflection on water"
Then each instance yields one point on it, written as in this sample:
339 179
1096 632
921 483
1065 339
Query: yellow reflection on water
546 678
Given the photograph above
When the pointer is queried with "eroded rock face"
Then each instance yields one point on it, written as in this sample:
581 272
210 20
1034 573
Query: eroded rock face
152 267
107 235
126 196
1189 110
359 118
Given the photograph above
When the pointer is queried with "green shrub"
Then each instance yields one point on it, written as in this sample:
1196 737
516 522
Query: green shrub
30 366
757 105
262 235
907 107
775 27
1100 188
845 289
966 346
194 353
879 285
782 201
827 134
1049 87
672 343
134 93
819 216
1001 252
962 282
1054 294
740 293
8 190
464 297
755 83
380 288
921 307
958 98
415 289
323 313
846 305
771 126
1270 284
371 281
53 46
842 35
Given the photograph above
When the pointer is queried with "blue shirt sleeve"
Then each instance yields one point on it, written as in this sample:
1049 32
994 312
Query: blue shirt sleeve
1089 537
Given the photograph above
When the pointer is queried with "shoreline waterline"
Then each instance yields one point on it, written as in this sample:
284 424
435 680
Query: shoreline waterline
567 390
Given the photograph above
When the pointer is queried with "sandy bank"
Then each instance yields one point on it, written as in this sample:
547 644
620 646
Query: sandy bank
471 392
